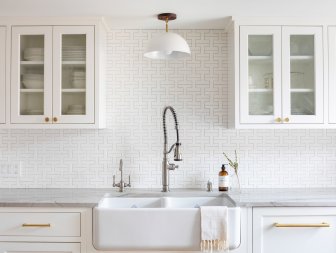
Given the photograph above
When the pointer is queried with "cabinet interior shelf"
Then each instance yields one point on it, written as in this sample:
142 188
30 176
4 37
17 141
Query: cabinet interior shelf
32 63
260 58
31 90
264 90
73 62
302 90
301 57
73 90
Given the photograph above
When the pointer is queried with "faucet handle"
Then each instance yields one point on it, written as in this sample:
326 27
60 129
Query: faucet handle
114 184
129 181
209 186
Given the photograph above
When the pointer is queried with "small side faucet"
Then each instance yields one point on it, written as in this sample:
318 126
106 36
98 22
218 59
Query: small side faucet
121 184
166 165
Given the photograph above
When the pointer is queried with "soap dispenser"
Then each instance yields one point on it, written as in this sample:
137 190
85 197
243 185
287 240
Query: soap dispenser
223 179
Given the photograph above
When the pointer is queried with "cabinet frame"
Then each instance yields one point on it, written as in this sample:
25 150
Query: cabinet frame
2 75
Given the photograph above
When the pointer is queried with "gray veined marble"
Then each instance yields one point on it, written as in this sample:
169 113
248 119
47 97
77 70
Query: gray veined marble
54 197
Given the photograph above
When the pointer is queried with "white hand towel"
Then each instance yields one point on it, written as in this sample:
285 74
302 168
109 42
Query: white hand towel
214 229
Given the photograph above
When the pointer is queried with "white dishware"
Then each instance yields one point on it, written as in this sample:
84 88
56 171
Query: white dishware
33 54
33 81
260 45
34 112
76 109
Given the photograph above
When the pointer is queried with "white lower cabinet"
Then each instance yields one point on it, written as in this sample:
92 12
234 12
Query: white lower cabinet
37 247
43 230
294 229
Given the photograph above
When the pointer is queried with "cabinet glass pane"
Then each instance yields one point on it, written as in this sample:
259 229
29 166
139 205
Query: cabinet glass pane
31 74
260 71
73 74
302 75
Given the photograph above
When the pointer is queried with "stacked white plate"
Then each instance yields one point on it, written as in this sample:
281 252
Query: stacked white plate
33 54
78 79
76 109
74 53
34 112
32 81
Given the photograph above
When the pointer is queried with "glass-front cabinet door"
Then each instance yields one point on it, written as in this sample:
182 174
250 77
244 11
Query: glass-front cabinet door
260 74
73 88
2 75
302 68
31 78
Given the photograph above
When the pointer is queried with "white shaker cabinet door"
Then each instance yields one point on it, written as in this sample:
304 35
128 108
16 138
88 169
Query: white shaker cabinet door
2 75
294 229
36 247
74 75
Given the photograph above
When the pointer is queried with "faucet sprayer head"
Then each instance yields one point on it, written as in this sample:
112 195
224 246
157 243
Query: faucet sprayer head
177 152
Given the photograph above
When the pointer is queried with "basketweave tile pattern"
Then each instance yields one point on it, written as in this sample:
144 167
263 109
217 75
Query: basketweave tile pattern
137 90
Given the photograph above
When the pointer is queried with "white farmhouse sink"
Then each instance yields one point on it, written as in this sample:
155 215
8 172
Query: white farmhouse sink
157 223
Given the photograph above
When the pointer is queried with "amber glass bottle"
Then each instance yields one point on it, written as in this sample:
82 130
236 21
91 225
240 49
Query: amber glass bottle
223 179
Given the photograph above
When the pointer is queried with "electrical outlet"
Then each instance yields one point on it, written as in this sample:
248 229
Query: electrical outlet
10 169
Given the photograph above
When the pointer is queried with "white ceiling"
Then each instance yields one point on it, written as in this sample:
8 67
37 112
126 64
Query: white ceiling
141 14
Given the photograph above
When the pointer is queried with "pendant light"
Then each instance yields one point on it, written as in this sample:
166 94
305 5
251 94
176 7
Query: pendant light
169 45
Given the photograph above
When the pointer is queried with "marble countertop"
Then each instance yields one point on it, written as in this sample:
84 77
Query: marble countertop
90 197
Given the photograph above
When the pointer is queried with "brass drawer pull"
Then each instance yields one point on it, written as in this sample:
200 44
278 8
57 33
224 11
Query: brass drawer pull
278 120
286 119
302 225
47 225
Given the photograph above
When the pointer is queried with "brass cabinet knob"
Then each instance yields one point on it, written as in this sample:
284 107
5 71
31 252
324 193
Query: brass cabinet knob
55 119
286 119
46 119
278 120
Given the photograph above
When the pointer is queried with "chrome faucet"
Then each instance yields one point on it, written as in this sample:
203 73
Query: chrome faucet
121 184
166 165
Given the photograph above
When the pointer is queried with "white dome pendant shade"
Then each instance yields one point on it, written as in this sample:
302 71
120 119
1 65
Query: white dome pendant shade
169 45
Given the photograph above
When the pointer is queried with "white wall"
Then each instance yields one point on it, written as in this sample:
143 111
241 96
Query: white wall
137 90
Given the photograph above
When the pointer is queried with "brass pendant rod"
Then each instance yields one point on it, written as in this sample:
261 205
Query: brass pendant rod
166 24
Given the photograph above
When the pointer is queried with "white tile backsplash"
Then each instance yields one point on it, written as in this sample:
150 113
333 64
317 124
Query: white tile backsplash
137 90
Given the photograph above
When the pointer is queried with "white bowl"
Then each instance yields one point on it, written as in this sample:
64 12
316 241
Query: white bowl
33 84
260 45
33 76
78 84
76 107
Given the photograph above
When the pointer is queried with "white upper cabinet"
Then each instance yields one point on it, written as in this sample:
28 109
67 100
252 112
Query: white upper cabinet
2 75
56 76
276 78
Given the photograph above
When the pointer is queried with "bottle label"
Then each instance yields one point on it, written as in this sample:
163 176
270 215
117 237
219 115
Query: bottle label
223 181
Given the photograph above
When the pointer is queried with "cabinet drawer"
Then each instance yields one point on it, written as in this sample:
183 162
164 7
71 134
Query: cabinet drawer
292 230
39 224
34 247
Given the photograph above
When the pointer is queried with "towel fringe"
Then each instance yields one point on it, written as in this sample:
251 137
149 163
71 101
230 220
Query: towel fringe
214 246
